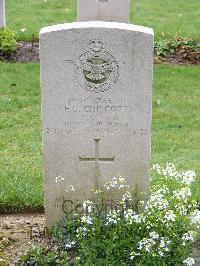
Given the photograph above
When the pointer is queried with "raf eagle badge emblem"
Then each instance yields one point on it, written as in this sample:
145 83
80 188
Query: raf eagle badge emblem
97 70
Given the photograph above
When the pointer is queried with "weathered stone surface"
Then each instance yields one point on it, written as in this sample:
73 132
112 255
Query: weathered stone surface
96 81
103 10
2 14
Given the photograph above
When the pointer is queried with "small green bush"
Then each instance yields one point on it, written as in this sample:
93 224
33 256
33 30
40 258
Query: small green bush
8 43
162 234
42 256
163 47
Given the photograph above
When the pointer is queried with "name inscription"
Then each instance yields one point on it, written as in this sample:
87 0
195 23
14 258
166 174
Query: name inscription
96 130
96 115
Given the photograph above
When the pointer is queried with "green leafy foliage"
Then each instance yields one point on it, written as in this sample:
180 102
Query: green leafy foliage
65 232
42 256
164 47
160 232
8 43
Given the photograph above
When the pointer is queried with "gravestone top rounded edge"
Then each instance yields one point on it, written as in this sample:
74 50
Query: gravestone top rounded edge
96 24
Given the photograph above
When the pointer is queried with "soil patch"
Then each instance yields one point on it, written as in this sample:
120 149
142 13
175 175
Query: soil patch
17 233
26 52
183 56
29 52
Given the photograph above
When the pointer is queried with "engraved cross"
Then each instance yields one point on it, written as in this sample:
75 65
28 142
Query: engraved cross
96 159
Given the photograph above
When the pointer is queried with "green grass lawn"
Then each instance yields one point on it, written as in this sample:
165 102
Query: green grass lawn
166 17
32 15
176 128
20 141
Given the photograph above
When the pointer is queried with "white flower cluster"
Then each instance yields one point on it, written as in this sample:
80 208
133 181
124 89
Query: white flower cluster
134 254
154 235
161 190
146 244
86 219
88 206
112 217
170 216
189 262
157 201
183 193
170 172
188 177
189 236
59 179
70 245
163 246
82 231
118 183
126 197
131 217
155 244
182 209
70 188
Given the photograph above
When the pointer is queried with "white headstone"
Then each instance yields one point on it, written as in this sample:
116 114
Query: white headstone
2 14
96 80
103 10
